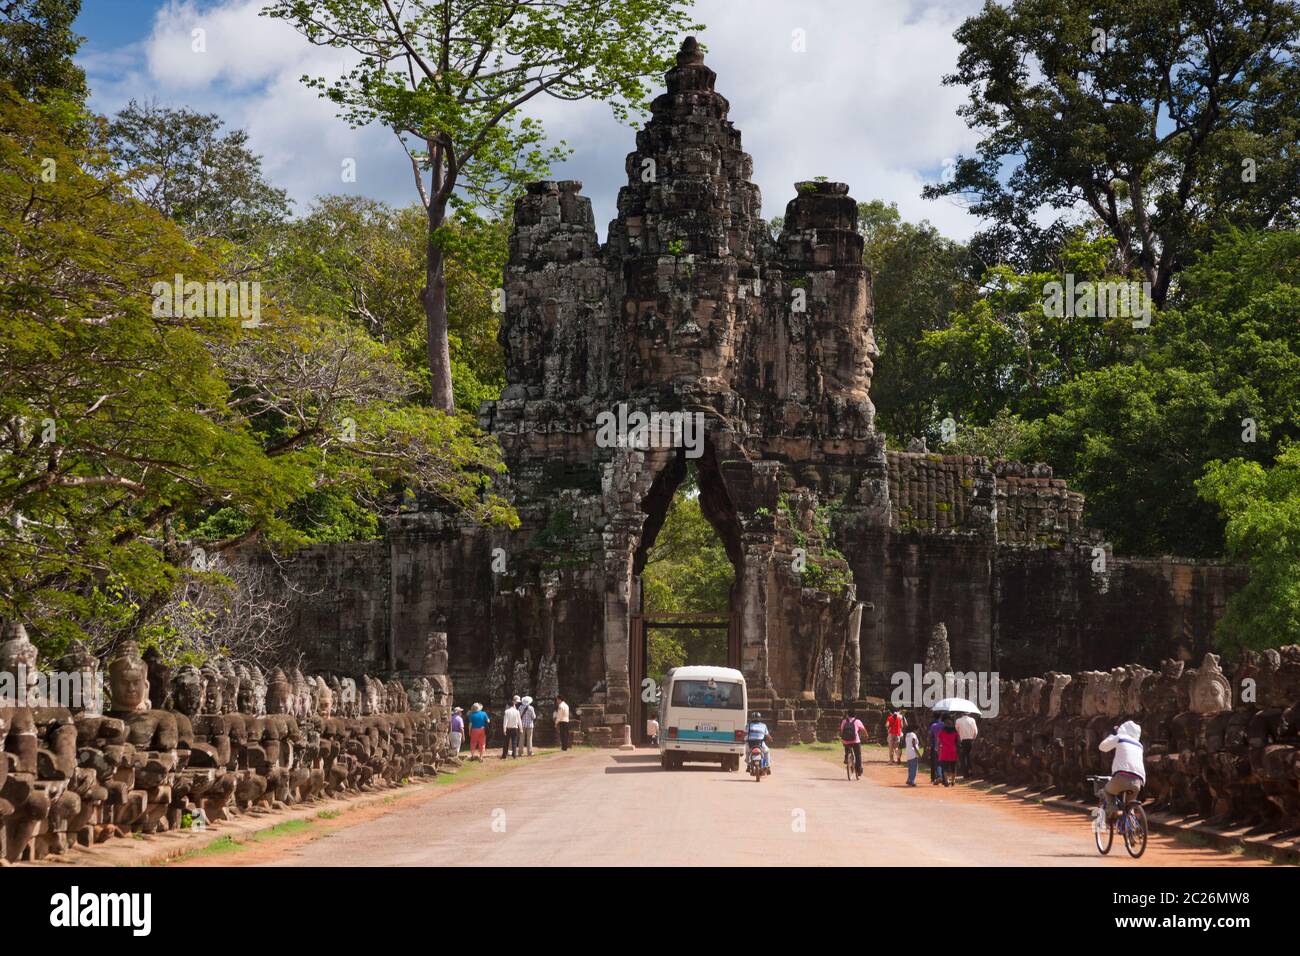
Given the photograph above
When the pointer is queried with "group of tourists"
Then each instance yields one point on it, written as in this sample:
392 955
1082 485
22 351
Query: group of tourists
517 723
949 742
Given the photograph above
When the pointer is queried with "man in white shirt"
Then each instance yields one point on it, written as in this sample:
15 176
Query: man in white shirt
652 731
562 722
510 724
967 731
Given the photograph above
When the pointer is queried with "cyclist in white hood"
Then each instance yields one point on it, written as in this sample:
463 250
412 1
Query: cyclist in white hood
1127 770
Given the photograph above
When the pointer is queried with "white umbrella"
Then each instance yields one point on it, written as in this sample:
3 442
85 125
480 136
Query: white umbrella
955 705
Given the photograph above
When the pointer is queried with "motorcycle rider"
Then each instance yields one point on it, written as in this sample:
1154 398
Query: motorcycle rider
756 732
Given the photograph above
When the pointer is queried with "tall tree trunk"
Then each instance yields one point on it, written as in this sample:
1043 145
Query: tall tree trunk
434 298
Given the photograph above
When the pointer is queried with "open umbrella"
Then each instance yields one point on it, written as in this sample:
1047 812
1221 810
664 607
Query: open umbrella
955 705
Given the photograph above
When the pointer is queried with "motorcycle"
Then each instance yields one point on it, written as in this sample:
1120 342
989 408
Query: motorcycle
754 764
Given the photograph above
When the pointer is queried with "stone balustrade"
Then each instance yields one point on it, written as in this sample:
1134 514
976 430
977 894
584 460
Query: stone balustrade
1224 746
231 740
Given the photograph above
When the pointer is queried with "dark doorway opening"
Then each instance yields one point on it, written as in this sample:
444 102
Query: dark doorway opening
684 606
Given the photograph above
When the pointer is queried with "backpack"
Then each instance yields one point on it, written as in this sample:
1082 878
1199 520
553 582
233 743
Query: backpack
848 730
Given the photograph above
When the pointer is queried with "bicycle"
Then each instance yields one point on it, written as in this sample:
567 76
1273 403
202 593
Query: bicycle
1130 821
850 762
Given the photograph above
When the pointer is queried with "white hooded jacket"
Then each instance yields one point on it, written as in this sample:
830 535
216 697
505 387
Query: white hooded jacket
1128 749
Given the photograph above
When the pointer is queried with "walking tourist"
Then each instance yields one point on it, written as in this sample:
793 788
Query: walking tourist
935 727
562 722
912 754
527 718
510 726
967 731
457 732
948 754
895 725
652 730
478 725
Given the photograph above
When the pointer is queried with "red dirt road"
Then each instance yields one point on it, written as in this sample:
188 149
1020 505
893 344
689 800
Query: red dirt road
611 808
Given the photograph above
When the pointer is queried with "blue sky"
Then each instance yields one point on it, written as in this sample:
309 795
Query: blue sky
863 103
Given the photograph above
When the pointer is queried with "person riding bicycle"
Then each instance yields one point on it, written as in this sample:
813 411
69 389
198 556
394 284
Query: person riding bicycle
756 732
1127 770
851 734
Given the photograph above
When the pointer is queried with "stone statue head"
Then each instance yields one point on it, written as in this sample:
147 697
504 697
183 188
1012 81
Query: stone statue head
247 703
1059 683
1134 699
259 690
1117 695
160 679
128 680
78 660
1211 691
18 657
188 690
325 700
279 693
213 698
301 696
229 686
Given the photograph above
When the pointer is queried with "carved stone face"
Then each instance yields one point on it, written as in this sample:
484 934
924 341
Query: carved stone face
229 687
259 691
1059 683
1134 698
78 660
324 700
1211 692
279 695
128 680
187 690
212 696
18 659
247 702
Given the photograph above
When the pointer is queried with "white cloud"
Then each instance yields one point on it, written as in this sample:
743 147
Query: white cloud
864 104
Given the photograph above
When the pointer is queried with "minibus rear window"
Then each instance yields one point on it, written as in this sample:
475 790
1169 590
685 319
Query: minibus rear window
700 693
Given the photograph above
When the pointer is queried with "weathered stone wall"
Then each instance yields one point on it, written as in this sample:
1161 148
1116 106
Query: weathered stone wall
1225 746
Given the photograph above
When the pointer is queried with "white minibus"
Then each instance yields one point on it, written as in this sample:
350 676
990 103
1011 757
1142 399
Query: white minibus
702 717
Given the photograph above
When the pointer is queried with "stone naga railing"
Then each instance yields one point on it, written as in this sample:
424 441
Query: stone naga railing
1226 748
229 741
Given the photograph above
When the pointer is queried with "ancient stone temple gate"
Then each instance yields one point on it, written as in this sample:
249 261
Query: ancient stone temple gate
845 554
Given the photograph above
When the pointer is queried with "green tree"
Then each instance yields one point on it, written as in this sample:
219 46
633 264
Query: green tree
1217 379
450 78
1007 350
918 278
36 49
358 259
1262 508
182 165
1166 120
125 427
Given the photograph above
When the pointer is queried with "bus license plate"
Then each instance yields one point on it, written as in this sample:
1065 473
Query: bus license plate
706 728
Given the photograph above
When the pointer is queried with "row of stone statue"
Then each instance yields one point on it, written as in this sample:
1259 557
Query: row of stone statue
225 740
1224 748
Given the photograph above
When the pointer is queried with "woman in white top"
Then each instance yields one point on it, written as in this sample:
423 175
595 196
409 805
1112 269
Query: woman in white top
1128 773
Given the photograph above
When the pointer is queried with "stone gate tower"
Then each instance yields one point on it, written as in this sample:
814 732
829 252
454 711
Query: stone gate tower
846 555
692 306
